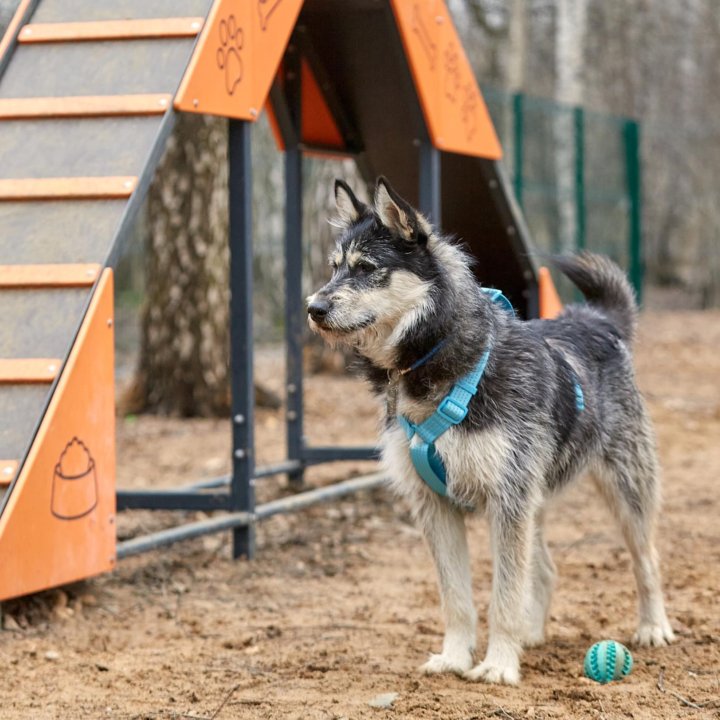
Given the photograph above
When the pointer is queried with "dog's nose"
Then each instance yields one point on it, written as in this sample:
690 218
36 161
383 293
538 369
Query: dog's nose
318 309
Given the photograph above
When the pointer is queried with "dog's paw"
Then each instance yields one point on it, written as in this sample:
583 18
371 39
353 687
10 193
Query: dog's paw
495 673
654 635
457 662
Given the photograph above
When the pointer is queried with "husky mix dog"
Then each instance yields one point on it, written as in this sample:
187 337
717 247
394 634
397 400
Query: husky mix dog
557 399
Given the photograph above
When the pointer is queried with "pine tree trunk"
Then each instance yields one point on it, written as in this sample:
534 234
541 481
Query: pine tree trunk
183 365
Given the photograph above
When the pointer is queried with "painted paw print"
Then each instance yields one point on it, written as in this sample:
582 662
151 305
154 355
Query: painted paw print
228 54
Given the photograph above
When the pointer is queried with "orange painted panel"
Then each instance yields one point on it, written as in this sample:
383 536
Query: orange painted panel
98 106
29 370
67 188
549 301
59 523
318 124
8 469
48 276
111 30
236 57
457 118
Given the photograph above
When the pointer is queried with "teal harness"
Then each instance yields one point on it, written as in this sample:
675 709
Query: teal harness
452 410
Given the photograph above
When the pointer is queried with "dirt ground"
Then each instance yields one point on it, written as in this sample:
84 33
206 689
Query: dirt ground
341 604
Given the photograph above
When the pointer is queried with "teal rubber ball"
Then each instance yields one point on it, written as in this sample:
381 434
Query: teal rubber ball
608 660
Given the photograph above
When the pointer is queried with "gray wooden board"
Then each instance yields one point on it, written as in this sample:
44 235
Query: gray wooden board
76 148
39 323
96 68
22 407
82 10
63 231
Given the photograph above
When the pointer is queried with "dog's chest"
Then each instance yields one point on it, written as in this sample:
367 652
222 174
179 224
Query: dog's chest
474 459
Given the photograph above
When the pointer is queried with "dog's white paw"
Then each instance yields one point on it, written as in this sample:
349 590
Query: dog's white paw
495 673
654 635
456 662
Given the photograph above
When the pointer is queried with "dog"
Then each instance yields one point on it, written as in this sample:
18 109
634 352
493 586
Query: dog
557 399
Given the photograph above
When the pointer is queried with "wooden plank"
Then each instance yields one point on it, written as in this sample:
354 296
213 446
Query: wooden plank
111 30
79 106
29 370
48 276
67 188
17 19
8 470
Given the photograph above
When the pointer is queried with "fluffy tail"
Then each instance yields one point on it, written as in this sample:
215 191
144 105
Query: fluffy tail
605 286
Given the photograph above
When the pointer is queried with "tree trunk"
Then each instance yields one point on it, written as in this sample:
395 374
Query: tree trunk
183 365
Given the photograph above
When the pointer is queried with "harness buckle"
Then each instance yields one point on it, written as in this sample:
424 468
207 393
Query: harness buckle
452 410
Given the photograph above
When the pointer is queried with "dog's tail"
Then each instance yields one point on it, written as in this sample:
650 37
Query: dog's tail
605 286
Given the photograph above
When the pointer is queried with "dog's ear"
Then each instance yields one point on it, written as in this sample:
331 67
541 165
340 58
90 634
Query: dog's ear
398 215
349 208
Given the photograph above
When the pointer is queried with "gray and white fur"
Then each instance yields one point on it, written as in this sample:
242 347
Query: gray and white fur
398 289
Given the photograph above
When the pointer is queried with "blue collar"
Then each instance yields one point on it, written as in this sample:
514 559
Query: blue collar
424 358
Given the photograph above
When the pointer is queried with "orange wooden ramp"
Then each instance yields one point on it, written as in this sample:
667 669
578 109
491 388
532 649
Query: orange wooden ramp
59 522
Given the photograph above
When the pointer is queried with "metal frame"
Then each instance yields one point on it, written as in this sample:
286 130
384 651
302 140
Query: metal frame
235 493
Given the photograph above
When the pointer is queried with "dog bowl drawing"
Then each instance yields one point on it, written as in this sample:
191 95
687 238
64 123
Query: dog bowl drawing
74 488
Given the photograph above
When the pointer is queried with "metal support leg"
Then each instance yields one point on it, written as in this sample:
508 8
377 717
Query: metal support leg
241 333
294 308
430 183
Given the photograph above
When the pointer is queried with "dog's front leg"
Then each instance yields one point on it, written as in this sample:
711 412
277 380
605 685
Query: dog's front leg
444 528
511 531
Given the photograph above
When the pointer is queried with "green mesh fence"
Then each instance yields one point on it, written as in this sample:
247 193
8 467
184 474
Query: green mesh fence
576 175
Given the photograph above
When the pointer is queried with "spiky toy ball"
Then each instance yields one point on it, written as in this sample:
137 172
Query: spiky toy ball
608 660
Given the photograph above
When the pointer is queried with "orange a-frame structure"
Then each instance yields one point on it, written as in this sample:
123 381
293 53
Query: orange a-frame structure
88 96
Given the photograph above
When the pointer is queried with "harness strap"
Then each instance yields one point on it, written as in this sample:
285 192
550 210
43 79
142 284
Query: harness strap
452 411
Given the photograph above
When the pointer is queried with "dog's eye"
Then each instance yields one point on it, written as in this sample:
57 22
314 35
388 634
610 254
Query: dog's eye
365 266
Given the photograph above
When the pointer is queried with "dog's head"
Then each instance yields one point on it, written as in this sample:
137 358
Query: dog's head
383 270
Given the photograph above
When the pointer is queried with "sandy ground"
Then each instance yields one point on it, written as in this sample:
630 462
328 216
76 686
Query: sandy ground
341 604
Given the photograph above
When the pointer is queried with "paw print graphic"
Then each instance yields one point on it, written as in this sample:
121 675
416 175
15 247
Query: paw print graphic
228 54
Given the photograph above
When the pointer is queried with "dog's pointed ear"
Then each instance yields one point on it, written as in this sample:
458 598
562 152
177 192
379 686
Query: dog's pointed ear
349 208
398 215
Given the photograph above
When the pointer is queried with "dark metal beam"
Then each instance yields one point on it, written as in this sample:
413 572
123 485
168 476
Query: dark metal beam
317 455
156 540
263 471
236 520
294 301
241 332
292 503
173 499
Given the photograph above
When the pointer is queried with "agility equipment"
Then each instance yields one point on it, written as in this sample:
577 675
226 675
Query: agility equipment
88 96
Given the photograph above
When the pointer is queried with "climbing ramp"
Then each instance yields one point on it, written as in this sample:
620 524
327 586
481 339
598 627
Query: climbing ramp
84 99
88 96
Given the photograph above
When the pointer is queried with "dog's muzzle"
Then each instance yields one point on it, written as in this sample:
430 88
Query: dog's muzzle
318 310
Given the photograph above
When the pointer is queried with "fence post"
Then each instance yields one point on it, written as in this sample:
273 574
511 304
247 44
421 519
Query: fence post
518 132
631 132
580 209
